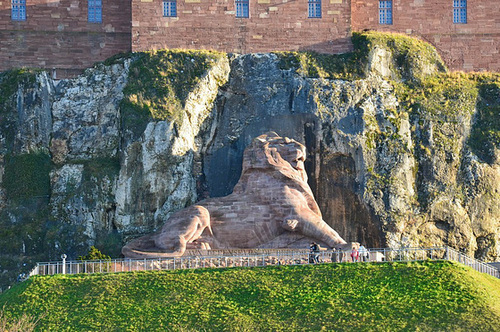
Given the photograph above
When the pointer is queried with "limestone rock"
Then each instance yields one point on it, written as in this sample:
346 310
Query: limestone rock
85 114
382 174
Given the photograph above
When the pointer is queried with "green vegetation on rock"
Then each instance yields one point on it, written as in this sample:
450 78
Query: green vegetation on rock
160 82
27 175
10 80
413 58
485 135
328 66
98 168
442 109
9 84
423 296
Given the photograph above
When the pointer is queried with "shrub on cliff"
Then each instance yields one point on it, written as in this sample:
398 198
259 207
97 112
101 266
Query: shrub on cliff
93 255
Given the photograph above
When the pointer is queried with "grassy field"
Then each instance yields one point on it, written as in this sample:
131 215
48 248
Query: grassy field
418 296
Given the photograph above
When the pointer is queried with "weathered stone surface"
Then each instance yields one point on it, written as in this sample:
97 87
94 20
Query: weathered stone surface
271 200
381 174
34 115
160 169
85 114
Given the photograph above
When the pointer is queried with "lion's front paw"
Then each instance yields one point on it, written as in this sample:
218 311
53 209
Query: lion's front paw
290 224
198 245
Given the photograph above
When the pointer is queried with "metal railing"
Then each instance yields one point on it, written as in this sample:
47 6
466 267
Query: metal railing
454 255
257 257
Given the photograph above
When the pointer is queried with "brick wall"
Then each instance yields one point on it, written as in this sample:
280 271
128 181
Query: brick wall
56 35
272 25
471 46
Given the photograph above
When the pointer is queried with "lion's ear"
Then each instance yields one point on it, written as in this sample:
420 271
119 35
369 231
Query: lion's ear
268 136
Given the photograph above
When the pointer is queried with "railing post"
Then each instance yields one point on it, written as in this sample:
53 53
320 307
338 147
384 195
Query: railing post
63 256
447 253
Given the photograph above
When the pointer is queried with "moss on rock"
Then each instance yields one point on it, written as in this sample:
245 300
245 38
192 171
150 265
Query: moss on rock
328 66
414 59
9 84
485 136
27 175
159 84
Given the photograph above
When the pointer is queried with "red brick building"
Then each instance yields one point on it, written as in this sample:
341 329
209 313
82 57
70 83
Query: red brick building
68 35
57 34
465 32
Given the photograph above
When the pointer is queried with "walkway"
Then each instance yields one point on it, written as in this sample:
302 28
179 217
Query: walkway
255 257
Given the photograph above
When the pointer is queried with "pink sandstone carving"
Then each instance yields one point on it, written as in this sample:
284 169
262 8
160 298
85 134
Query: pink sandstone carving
271 206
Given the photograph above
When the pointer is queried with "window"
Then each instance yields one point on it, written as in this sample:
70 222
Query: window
460 11
170 8
385 12
241 8
95 11
19 10
314 8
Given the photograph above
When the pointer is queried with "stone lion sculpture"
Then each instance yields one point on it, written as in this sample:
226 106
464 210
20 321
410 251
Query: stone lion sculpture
271 206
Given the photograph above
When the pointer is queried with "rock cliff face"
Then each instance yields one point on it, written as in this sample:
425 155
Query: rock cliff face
392 155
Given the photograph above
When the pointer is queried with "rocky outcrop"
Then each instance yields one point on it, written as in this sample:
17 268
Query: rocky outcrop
160 169
387 165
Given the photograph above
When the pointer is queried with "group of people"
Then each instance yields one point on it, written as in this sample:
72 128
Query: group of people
338 255
361 254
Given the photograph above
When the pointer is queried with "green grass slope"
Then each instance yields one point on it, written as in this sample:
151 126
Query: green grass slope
418 296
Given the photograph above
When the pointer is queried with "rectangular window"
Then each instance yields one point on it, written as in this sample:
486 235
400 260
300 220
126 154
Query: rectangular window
95 11
460 11
18 10
385 12
314 8
170 8
241 8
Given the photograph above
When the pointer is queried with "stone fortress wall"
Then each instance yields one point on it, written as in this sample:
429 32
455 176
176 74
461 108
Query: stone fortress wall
272 25
57 35
473 46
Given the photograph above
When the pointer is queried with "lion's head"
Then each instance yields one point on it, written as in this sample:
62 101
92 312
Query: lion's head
271 151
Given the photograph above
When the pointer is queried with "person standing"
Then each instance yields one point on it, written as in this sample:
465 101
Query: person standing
314 247
363 253
354 255
335 256
342 255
